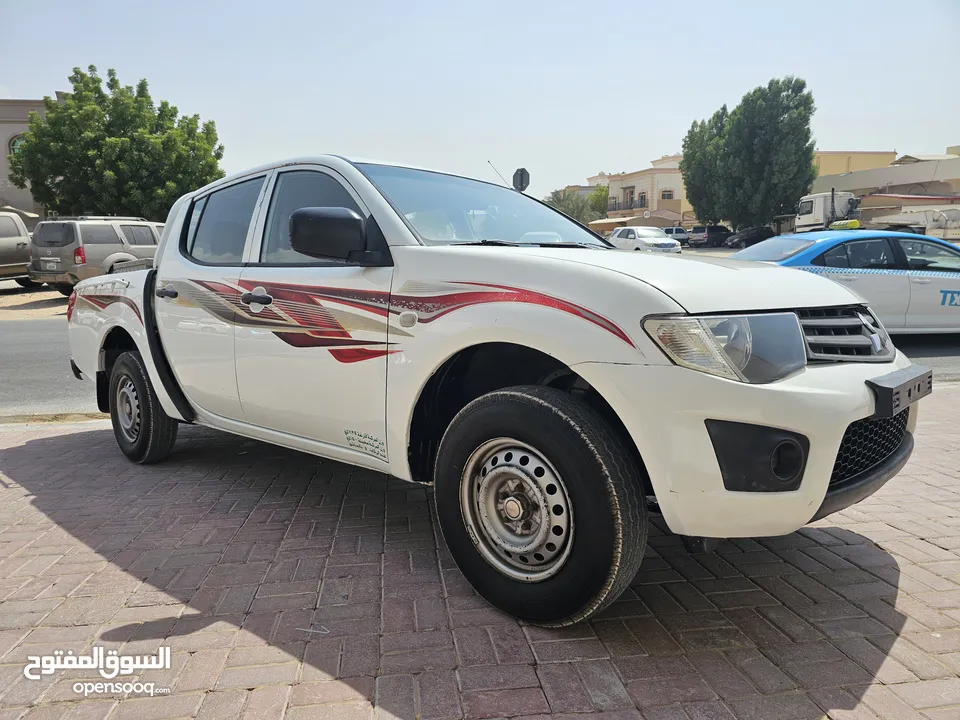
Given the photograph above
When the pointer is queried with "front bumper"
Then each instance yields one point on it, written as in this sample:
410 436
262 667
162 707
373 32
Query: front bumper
665 410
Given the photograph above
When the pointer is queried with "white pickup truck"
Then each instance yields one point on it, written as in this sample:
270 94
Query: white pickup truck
553 390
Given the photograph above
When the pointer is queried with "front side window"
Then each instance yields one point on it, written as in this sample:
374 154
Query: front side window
805 208
630 235
874 253
219 223
294 190
923 255
99 235
446 209
8 228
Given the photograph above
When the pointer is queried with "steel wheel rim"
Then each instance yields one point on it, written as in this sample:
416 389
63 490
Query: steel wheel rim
517 510
128 409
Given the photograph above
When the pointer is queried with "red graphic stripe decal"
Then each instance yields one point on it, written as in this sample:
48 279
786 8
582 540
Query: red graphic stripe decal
303 316
102 302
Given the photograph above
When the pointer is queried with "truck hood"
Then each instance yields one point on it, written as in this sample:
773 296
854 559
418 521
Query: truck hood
711 284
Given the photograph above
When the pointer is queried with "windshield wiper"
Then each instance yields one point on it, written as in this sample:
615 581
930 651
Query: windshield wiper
490 242
572 245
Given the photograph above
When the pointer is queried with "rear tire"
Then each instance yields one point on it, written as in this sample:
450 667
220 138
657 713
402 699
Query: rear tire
540 504
65 290
26 283
144 432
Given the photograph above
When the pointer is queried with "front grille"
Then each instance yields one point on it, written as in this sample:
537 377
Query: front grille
867 443
664 245
837 334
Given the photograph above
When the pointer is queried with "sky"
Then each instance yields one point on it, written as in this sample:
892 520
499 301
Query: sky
565 89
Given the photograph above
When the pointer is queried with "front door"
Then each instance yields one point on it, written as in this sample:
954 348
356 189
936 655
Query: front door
312 360
934 272
13 247
196 316
870 267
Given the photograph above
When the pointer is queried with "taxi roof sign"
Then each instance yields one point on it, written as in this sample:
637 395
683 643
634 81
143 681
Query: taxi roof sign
845 225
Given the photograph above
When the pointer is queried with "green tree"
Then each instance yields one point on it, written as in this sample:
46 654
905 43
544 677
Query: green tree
756 161
768 152
702 167
113 151
599 199
572 203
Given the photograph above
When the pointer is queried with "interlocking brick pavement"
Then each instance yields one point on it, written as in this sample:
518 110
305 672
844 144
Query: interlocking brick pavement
291 586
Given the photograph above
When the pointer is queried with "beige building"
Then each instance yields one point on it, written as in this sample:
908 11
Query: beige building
919 175
658 189
14 115
835 162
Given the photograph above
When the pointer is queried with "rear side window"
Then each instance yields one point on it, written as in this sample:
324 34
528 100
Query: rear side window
138 234
53 234
99 235
8 228
219 223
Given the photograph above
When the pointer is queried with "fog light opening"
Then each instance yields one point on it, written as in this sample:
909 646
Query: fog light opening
786 460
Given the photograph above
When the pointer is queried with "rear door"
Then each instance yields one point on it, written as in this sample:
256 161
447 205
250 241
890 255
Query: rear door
100 240
871 267
934 272
54 244
313 362
199 279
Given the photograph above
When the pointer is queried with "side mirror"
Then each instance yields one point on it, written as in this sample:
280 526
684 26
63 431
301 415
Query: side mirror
329 233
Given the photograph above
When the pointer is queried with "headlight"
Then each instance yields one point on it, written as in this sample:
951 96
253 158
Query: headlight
749 348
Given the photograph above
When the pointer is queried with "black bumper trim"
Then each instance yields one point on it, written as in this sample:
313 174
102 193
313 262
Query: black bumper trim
76 371
865 484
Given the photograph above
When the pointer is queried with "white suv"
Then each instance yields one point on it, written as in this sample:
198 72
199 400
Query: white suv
645 239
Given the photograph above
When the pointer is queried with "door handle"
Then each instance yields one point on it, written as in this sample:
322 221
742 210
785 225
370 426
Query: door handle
921 281
166 292
250 298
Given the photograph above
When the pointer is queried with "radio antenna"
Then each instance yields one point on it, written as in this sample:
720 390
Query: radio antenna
497 172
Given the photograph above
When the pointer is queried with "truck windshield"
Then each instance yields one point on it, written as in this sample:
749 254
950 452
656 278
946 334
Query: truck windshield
775 249
446 209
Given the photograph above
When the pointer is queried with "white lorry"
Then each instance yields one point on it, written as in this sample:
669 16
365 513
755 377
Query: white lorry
448 331
841 210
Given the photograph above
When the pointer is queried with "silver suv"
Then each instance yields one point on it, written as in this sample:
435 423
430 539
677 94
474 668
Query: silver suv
65 251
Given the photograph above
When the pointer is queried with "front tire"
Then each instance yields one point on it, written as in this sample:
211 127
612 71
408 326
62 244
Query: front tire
144 432
540 504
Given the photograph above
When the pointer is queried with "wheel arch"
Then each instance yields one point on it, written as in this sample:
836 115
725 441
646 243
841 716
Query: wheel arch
483 367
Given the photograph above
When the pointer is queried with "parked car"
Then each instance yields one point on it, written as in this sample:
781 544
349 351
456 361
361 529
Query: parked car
909 280
549 391
14 249
644 239
749 236
708 235
69 249
679 234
